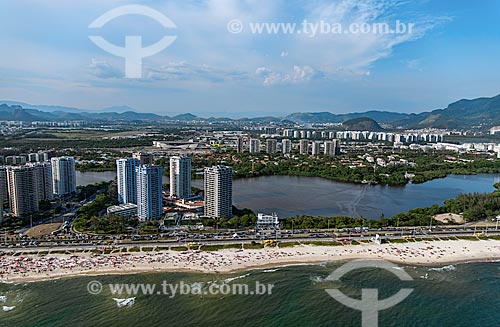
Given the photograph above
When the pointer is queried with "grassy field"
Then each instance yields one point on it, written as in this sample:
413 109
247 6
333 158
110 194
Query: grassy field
41 230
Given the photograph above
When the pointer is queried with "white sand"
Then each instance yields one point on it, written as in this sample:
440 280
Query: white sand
28 268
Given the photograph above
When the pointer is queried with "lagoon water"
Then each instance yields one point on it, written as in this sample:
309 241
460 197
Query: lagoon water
461 295
291 196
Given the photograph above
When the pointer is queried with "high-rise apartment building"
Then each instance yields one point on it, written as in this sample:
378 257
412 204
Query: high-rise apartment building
240 148
180 177
328 148
271 146
23 190
254 145
304 146
149 192
286 146
126 179
218 191
63 175
4 193
336 147
44 180
316 147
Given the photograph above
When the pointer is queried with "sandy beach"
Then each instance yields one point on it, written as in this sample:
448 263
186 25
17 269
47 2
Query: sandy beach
31 268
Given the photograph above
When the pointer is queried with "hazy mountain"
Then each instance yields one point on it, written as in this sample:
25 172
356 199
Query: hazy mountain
481 112
43 107
186 116
16 112
128 115
362 124
46 108
328 117
119 109
314 117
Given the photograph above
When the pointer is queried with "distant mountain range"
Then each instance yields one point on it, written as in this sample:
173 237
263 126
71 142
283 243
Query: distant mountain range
480 113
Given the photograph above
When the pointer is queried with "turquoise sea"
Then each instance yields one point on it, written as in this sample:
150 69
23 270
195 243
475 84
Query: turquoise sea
458 295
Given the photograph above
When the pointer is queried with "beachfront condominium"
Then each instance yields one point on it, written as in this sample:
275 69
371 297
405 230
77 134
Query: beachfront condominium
44 180
271 146
286 146
126 180
218 192
254 145
149 192
23 190
4 193
180 177
63 175
304 146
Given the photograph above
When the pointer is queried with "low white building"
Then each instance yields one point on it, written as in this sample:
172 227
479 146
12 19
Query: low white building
267 221
127 209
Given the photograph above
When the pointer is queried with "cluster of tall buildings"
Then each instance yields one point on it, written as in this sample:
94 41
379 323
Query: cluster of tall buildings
410 137
141 184
391 137
316 148
328 147
25 186
22 159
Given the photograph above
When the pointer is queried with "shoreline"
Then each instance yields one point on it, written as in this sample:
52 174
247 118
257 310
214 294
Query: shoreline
34 268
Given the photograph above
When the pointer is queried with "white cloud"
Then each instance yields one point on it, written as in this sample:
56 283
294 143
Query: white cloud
184 71
299 74
103 69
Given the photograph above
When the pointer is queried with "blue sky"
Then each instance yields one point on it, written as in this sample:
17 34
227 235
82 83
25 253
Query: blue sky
47 57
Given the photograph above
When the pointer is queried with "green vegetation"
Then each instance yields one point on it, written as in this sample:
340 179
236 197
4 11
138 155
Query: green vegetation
91 216
473 206
353 167
91 189
242 218
179 248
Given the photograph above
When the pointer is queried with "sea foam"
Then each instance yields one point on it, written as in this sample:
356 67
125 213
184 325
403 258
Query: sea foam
445 268
120 303
7 309
229 280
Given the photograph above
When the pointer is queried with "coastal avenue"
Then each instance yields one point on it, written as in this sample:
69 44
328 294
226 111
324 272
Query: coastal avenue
390 234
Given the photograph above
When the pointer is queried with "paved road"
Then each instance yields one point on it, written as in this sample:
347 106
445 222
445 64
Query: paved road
166 243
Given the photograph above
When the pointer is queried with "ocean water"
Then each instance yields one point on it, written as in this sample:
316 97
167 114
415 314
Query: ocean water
458 295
